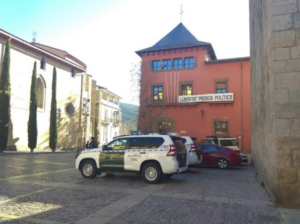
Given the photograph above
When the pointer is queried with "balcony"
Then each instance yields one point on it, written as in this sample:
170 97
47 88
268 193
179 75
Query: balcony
107 120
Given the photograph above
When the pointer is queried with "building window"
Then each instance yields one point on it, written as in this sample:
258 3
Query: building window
221 127
177 64
72 72
167 64
157 94
40 92
221 87
105 134
186 90
116 117
156 65
43 64
189 62
70 109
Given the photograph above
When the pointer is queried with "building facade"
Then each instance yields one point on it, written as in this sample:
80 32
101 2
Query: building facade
185 89
72 86
275 101
106 114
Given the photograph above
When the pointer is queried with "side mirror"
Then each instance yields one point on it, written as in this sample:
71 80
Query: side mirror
104 147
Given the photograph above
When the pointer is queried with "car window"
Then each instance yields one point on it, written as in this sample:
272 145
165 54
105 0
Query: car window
228 142
203 148
183 140
137 143
118 144
211 148
155 142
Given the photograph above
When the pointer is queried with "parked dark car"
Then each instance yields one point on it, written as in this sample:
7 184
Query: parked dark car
220 156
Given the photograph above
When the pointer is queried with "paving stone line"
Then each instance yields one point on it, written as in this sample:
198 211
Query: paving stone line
34 174
151 190
32 220
24 195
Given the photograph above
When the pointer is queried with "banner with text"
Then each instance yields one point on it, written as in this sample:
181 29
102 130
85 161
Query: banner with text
214 97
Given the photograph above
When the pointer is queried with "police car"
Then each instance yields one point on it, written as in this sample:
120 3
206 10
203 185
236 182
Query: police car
193 150
155 157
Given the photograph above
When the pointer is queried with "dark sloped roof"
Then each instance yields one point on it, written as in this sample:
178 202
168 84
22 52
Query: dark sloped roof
179 37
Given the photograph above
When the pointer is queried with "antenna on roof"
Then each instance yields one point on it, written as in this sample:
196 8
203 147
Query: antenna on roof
181 12
33 36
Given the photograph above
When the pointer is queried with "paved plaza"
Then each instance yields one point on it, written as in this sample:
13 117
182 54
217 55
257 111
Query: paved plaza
46 188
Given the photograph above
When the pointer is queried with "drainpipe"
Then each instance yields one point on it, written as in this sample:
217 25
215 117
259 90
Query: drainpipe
242 113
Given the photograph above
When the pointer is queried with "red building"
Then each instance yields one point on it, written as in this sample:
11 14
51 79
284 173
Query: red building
186 89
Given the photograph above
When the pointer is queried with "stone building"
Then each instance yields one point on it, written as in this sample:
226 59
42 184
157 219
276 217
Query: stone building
186 89
275 97
73 87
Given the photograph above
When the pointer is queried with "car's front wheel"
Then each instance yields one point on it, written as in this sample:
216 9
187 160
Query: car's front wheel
223 163
88 169
151 173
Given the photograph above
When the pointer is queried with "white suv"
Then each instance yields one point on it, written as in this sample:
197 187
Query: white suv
153 156
193 149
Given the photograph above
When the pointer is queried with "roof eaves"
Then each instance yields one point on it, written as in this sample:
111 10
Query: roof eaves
228 60
39 49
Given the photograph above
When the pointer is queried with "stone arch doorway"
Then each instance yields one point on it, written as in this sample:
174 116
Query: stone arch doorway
164 125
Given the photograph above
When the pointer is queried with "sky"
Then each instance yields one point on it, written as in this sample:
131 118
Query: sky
105 34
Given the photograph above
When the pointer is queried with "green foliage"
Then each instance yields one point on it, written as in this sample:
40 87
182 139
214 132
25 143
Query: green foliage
5 98
53 115
32 122
129 117
129 112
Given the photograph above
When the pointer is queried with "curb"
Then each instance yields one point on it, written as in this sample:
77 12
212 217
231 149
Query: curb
8 153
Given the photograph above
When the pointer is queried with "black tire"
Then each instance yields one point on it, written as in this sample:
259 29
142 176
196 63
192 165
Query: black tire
88 169
223 163
151 173
168 176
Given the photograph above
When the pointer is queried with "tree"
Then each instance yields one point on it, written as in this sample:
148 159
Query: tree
148 112
53 115
32 122
5 98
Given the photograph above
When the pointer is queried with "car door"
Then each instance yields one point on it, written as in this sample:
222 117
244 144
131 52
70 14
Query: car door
136 153
112 155
210 154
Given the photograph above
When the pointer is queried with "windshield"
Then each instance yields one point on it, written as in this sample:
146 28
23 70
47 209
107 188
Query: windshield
228 142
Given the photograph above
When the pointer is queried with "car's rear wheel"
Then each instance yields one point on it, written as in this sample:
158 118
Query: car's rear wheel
88 169
151 173
223 163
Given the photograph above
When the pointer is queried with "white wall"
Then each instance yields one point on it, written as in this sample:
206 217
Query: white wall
68 90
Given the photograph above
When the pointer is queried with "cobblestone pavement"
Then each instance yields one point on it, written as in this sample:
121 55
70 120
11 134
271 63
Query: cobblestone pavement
47 189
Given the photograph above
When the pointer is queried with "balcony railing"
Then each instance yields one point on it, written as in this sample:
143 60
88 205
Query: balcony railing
107 120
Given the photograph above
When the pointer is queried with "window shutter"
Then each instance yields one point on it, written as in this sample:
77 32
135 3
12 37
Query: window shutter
195 61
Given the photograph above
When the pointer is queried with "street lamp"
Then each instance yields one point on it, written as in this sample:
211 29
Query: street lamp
67 132
202 112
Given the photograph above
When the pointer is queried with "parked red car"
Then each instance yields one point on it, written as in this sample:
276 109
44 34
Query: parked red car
220 156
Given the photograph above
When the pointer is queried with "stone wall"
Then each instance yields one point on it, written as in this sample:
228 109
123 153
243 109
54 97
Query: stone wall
275 97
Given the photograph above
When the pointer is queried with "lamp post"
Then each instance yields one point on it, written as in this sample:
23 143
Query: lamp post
202 112
67 133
